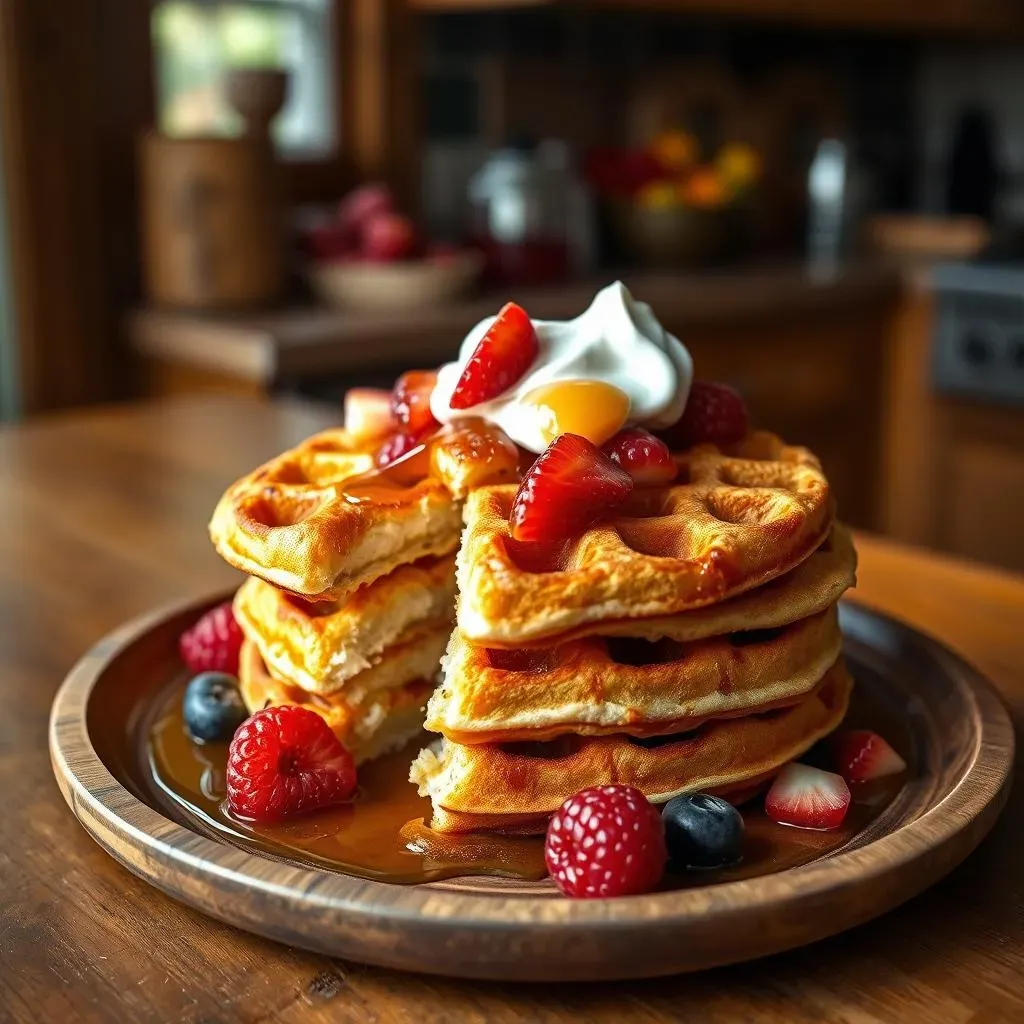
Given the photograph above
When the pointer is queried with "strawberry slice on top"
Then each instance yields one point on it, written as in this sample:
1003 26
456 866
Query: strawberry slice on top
643 456
862 756
501 358
808 798
570 486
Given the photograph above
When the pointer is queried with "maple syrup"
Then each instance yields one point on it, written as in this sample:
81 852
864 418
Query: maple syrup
382 834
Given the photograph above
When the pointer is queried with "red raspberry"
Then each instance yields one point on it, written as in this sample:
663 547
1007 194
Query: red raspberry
606 841
714 414
213 643
285 761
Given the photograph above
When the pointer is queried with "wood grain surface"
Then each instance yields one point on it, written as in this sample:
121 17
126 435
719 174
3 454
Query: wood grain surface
105 519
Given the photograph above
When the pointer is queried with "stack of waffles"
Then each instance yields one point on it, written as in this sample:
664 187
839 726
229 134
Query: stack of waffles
689 642
351 591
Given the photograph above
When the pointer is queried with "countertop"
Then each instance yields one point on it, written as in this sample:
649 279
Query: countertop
265 349
105 518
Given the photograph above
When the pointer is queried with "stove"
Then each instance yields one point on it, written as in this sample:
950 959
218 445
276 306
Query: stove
978 340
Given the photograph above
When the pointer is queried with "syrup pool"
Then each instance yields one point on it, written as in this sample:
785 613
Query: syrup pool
381 835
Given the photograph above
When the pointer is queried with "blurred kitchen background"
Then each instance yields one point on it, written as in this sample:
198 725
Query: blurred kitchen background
825 201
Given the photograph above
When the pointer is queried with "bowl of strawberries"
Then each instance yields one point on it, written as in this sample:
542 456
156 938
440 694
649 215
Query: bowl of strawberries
370 256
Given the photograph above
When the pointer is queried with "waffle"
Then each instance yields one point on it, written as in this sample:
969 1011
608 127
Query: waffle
304 522
739 517
515 787
320 646
598 686
370 720
320 520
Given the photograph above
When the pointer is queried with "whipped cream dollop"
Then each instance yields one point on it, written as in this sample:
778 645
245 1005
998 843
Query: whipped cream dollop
617 341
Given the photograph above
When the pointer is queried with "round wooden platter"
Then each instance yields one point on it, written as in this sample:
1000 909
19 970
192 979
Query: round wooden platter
961 752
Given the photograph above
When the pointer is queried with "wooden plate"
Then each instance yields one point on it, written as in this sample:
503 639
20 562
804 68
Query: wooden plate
961 752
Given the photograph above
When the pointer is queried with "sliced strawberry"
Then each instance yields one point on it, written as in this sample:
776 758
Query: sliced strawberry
808 798
862 755
570 486
410 402
643 456
501 358
714 414
395 447
368 413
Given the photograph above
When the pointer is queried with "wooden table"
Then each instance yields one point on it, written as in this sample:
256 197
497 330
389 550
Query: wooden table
105 517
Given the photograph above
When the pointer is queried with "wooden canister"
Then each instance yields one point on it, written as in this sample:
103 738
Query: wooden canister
212 223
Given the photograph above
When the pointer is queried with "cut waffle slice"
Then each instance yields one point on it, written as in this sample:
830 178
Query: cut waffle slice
319 646
516 787
318 522
370 720
598 686
735 519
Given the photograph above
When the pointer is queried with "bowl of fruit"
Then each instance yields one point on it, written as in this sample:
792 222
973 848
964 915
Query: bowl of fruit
668 205
369 256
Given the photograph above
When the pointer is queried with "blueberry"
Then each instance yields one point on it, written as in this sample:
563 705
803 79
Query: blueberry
702 831
213 707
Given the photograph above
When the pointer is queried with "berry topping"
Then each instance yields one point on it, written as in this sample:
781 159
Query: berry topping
606 841
501 358
410 402
213 707
702 831
286 761
567 489
213 643
643 456
862 756
368 413
395 447
714 414
808 798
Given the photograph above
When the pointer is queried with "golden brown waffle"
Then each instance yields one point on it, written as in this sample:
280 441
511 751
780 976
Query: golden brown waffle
369 721
739 517
319 646
597 686
306 523
815 584
516 787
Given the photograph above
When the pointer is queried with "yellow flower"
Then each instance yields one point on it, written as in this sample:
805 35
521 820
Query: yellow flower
738 164
657 194
675 150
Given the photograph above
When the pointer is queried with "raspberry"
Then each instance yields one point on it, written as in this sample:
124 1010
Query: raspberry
213 643
714 414
606 841
286 761
394 448
643 456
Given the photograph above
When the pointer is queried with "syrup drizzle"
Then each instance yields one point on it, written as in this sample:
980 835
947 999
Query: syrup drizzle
381 835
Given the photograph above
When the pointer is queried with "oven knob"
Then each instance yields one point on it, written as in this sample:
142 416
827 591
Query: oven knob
976 348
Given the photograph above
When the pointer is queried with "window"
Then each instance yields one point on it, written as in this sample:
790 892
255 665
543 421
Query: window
196 41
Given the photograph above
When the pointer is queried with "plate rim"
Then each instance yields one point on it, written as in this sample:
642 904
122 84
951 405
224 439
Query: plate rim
98 799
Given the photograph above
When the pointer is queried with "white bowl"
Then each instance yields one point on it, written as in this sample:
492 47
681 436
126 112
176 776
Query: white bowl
411 284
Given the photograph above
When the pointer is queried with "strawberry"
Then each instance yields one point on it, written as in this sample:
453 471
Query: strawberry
396 447
862 755
606 841
213 643
368 413
566 490
714 414
808 798
643 456
286 761
410 402
500 359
